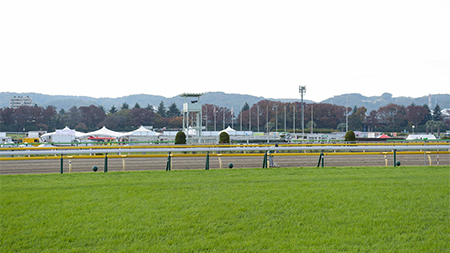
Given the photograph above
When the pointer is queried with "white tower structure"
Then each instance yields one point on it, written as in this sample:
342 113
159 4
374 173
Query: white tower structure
429 101
192 115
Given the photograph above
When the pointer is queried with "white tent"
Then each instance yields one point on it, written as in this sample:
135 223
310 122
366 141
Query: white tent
62 132
103 132
68 131
421 137
229 130
141 131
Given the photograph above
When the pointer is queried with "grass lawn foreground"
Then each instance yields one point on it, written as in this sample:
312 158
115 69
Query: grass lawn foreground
364 209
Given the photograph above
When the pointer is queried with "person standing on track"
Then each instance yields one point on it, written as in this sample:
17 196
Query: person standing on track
271 162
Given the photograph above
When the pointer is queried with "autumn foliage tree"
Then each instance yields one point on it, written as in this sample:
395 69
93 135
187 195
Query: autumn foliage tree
416 114
357 118
391 117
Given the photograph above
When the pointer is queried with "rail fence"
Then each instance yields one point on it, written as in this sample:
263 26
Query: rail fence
219 151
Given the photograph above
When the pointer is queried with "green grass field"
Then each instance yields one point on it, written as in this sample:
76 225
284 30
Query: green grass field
370 209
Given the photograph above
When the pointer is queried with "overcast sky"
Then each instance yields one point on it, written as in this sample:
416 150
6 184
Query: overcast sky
261 48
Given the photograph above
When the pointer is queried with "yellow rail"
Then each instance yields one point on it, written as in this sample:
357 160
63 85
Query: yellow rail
226 146
219 155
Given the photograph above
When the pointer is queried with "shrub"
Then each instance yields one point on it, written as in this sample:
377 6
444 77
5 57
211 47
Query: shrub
350 136
224 137
180 138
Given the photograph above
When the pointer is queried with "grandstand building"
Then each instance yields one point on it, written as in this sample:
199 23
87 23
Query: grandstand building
19 101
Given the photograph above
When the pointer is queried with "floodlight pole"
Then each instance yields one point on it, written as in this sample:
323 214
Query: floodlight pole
302 90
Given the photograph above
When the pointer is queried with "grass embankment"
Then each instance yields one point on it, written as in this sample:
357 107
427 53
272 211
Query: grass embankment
403 209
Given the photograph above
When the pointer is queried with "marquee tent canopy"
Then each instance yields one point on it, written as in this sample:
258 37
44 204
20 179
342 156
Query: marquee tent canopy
65 131
228 130
103 132
421 137
141 131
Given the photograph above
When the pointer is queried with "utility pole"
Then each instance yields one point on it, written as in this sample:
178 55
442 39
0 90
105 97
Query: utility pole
250 119
257 112
346 115
241 119
285 119
267 119
302 90
293 121
232 118
312 119
276 118
223 118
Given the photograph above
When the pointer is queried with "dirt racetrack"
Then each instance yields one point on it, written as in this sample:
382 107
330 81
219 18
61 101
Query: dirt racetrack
180 163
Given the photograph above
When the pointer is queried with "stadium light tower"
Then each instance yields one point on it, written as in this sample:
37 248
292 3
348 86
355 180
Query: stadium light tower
302 90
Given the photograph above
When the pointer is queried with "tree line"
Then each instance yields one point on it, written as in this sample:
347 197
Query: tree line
263 116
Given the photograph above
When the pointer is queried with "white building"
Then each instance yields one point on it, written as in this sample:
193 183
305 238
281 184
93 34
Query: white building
19 101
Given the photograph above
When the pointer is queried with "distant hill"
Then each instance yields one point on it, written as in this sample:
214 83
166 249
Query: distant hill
235 101
373 103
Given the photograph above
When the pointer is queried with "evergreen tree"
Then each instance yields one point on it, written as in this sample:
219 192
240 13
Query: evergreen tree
246 107
437 113
350 136
357 118
149 107
161 109
429 115
73 116
112 110
125 106
180 138
137 105
224 137
173 111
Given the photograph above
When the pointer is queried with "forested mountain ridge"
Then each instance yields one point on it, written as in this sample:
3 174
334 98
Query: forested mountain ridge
235 101
375 102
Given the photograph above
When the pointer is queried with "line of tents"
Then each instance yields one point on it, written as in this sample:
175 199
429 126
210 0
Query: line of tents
69 135
141 134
